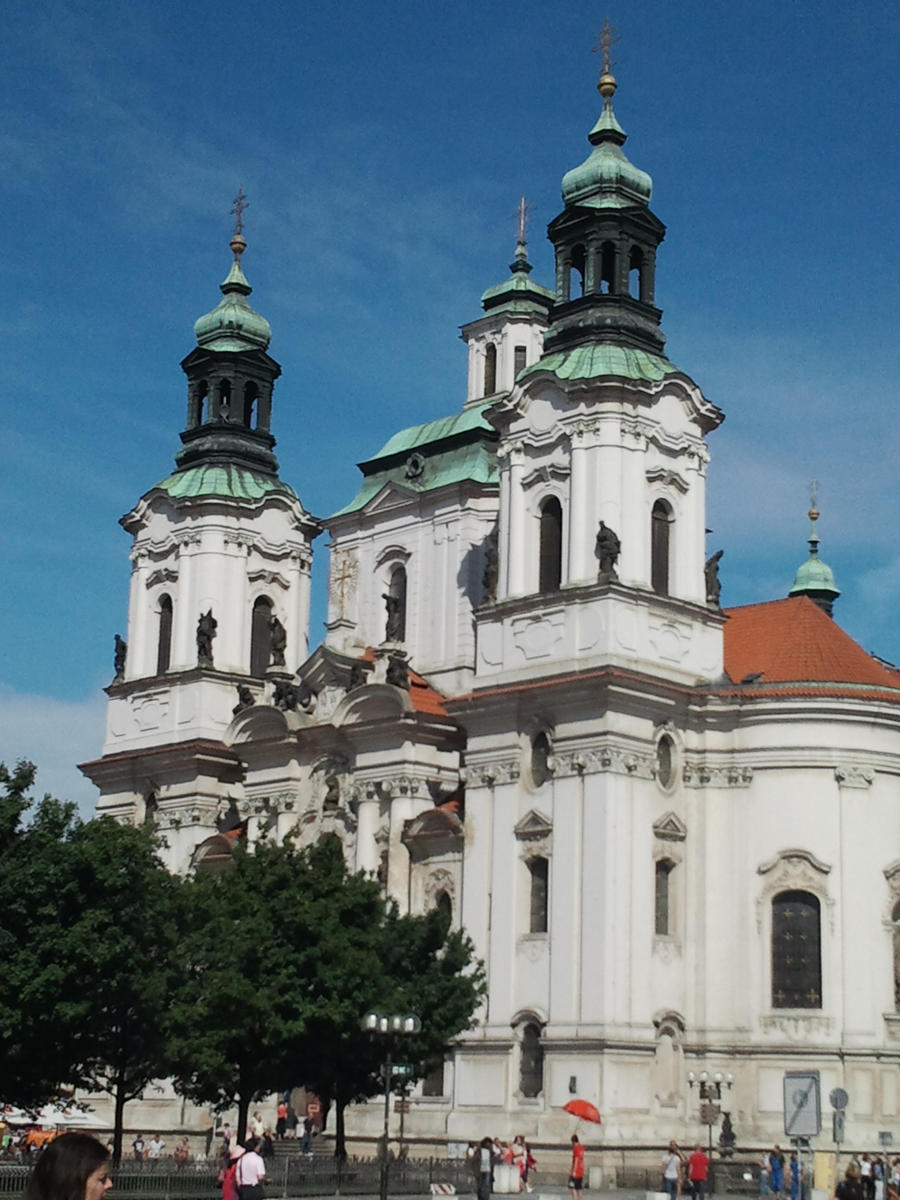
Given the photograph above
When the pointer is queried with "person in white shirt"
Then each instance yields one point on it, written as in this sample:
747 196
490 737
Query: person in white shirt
155 1146
250 1173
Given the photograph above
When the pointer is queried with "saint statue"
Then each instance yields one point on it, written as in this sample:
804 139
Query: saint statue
608 549
206 631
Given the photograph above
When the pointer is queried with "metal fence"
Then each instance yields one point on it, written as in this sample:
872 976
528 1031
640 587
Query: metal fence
286 1177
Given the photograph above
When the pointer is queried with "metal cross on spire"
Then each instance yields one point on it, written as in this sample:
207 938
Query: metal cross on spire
522 218
605 42
241 204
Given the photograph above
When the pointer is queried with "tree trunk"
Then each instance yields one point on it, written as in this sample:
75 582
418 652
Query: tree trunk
119 1119
243 1113
340 1140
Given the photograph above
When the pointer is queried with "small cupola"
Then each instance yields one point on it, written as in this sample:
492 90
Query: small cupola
231 376
815 578
605 241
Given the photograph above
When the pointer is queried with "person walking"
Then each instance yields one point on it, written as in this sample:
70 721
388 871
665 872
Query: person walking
576 1170
672 1163
698 1173
776 1171
796 1174
484 1160
850 1187
250 1173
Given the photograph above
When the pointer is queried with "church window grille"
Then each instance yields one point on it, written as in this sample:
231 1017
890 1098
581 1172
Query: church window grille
663 897
550 558
261 637
164 641
433 1083
538 869
660 535
396 631
520 358
531 1062
540 759
895 917
796 951
490 370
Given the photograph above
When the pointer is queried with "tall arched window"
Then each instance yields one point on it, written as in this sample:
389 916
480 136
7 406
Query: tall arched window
663 897
607 267
796 951
577 272
261 636
635 267
444 906
660 526
895 917
540 759
490 369
538 869
531 1062
550 562
520 359
251 396
225 400
395 630
164 641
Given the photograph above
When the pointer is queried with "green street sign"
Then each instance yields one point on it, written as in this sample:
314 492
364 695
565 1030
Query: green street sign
402 1068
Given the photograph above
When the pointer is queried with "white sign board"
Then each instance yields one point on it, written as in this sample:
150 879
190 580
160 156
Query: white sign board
802 1109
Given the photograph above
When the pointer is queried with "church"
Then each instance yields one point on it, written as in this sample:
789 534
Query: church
670 829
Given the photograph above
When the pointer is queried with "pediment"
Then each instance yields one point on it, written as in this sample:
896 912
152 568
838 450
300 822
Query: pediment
533 825
670 828
261 722
392 495
795 860
372 702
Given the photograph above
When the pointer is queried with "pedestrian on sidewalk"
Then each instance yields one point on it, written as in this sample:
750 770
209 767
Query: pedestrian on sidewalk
576 1170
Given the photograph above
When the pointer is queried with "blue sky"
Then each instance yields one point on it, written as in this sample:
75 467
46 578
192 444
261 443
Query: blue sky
384 149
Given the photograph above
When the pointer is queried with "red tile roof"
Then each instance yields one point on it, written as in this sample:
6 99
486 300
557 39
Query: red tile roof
794 641
425 699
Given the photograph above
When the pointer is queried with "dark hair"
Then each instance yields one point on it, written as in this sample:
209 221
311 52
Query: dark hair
63 1168
574 1138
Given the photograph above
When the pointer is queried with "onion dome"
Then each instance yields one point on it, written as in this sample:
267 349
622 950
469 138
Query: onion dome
233 324
815 578
606 179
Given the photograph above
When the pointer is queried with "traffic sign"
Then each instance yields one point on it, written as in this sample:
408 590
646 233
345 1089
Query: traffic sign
837 1125
403 1068
401 1106
802 1113
838 1098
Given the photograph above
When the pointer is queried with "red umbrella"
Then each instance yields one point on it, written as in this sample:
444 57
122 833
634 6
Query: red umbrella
583 1109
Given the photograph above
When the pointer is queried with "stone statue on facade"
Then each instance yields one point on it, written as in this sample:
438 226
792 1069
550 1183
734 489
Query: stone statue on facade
711 573
285 697
491 574
397 672
608 548
121 653
206 631
394 626
727 1138
277 642
245 699
357 678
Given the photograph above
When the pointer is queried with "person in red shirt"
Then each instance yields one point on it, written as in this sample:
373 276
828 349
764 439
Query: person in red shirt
698 1172
576 1171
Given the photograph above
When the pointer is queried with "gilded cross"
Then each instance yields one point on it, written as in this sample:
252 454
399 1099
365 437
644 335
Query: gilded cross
605 42
343 581
241 204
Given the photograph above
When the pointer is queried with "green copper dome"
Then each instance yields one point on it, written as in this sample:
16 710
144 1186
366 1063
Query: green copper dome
815 578
606 179
233 324
518 293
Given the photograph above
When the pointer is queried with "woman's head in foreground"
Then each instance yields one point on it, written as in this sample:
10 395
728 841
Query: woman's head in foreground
74 1166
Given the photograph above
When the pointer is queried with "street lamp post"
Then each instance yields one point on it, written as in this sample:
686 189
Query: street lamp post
710 1095
389 1027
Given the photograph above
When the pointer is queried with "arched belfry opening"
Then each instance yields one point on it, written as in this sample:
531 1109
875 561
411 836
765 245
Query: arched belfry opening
660 547
490 369
164 640
396 621
260 636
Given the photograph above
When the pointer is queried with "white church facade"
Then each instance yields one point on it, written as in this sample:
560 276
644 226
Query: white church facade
672 831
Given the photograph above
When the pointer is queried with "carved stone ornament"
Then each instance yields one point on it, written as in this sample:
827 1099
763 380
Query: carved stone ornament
793 870
670 828
533 826
892 875
492 774
854 777
797 1027
700 774
439 880
666 949
667 478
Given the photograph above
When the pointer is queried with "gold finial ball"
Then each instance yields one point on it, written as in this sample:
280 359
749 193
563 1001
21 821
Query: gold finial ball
813 514
238 245
607 85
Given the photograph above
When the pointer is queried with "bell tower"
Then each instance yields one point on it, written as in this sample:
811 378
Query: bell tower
220 584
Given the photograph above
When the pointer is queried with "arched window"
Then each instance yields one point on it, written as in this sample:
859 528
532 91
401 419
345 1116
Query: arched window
796 951
224 399
635 267
490 369
895 917
251 396
395 630
196 396
531 1062
151 808
444 906
576 275
164 641
550 562
520 359
538 869
660 526
261 636
663 898
607 268
204 402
